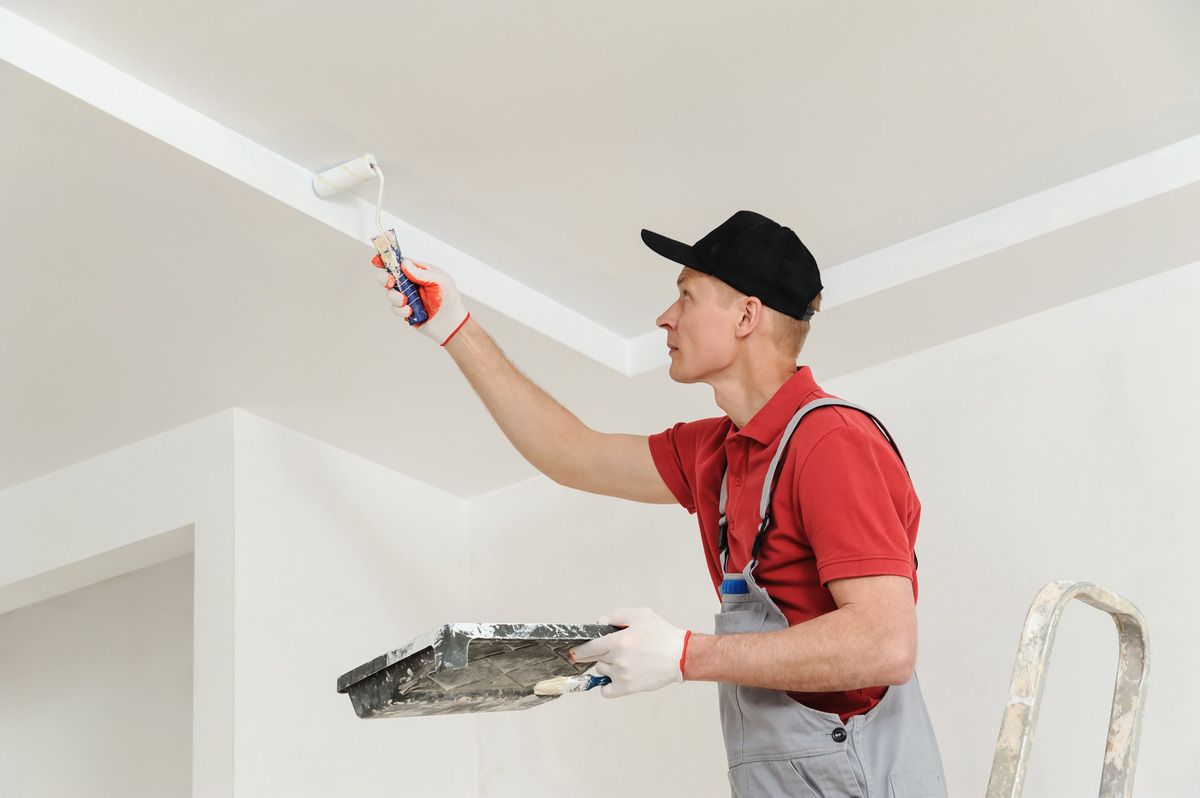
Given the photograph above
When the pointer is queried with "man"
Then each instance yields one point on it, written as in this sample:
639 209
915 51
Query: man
806 512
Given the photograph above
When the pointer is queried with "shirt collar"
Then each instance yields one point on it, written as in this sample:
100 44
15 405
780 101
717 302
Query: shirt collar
769 422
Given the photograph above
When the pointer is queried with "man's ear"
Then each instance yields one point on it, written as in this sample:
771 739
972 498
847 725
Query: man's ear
752 316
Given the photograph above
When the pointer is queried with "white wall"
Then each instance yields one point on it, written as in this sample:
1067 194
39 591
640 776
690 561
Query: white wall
338 560
96 689
540 552
334 561
126 509
1062 445
1059 446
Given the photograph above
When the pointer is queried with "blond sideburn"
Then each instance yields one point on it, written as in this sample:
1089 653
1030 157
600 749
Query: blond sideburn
788 333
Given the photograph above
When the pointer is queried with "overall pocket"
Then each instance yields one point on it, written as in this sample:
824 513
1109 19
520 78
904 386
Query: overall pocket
750 616
815 776
917 785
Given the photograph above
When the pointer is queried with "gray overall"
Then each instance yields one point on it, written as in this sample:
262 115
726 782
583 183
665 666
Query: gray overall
780 747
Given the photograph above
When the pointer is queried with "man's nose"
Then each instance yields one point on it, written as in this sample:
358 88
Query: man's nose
666 319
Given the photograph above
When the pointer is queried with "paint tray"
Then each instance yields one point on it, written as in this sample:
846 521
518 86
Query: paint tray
467 667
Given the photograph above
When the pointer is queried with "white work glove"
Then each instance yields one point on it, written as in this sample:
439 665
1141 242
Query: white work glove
438 293
646 655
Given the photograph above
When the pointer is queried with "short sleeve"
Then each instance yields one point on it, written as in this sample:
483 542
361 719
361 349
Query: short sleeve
854 495
678 451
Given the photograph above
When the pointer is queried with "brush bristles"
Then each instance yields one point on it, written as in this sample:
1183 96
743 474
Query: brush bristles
556 686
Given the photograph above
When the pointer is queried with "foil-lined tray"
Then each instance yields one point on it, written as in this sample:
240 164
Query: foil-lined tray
467 667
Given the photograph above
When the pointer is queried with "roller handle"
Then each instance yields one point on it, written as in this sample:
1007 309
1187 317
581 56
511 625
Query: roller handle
389 251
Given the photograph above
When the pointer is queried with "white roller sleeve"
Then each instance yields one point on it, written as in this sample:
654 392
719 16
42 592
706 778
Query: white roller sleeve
345 176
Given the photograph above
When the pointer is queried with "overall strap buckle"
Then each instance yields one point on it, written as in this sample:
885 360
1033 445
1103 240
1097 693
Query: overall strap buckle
761 536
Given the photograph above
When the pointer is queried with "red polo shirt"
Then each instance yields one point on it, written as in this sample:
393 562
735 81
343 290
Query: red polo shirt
843 505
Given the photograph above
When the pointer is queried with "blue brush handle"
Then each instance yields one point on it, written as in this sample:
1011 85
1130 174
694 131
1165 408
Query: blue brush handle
597 681
409 289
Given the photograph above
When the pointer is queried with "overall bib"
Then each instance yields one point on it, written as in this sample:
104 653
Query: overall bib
780 747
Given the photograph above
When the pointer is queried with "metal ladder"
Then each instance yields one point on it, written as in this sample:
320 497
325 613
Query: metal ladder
1029 676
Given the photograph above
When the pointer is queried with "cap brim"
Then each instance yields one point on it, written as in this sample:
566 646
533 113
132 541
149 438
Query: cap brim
671 249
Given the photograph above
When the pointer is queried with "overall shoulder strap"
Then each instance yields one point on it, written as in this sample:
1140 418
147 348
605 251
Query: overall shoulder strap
764 507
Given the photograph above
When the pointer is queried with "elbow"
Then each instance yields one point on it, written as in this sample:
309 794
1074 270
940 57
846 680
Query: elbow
900 660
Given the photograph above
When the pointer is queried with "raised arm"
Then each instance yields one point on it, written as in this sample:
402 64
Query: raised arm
546 434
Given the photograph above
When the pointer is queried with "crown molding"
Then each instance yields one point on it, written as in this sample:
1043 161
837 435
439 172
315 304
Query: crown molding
108 89
49 58
1033 216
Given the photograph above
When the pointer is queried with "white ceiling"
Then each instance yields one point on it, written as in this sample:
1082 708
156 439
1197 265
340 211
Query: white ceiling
145 288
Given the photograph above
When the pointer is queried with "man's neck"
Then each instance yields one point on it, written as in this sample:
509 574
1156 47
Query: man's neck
742 396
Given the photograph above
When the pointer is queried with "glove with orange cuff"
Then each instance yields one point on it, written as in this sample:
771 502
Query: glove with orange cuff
439 294
647 654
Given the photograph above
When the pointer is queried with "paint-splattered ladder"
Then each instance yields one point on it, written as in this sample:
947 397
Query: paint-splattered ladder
1029 675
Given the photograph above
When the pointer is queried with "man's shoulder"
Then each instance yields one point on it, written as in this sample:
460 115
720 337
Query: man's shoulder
695 436
715 427
822 422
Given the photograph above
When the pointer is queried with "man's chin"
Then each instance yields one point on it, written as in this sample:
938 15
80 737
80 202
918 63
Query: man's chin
677 374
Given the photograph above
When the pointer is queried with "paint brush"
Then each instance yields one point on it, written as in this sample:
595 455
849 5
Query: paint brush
561 685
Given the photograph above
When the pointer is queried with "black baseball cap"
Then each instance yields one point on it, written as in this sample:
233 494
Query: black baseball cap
756 256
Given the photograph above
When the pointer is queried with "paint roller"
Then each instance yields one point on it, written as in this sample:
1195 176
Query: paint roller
350 174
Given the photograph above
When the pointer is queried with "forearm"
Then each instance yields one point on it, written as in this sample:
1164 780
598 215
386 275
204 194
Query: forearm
542 430
841 650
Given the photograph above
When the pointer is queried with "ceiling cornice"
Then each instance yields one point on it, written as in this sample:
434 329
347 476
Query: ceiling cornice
1103 191
47 57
